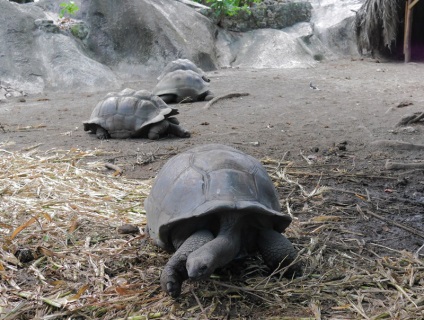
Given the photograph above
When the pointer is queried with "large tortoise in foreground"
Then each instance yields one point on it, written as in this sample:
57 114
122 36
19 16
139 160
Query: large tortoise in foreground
133 114
212 204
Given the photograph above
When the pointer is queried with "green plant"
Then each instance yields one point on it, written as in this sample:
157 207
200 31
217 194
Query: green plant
229 7
68 8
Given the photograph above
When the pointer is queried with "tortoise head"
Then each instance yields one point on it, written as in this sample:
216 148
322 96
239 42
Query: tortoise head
201 265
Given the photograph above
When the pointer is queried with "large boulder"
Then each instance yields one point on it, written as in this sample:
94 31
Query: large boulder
35 55
282 40
139 37
262 48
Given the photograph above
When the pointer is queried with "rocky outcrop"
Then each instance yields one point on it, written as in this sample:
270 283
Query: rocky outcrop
35 55
142 36
108 41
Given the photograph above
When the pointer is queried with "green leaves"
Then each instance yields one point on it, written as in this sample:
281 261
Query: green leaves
229 7
69 8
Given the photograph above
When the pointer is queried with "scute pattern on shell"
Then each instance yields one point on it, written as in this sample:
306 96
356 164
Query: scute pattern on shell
206 180
182 83
127 113
181 64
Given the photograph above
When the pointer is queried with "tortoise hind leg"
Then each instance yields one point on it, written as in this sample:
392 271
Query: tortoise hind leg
277 251
175 271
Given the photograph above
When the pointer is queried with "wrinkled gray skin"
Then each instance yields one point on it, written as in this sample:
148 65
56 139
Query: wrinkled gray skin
133 114
201 253
182 64
213 204
183 86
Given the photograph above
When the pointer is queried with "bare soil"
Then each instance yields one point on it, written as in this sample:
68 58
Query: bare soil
329 132
356 103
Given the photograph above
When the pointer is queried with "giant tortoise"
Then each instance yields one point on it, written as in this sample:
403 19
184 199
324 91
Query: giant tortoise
183 86
131 114
182 64
213 204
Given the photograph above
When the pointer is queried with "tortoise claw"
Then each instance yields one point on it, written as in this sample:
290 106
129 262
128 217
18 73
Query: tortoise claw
173 289
171 283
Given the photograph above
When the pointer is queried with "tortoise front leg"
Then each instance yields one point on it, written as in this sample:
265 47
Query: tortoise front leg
177 130
175 272
168 98
278 251
169 126
207 96
158 129
102 134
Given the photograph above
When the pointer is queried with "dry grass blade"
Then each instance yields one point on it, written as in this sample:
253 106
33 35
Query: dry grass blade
376 24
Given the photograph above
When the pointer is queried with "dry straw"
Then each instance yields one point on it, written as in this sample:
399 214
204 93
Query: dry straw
377 24
61 255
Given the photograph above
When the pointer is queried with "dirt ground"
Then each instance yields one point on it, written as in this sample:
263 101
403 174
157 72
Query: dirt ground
356 103
336 127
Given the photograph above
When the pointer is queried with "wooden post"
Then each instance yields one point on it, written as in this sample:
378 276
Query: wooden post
409 9
408 33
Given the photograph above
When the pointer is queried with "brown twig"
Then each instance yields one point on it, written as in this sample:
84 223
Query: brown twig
395 144
400 165
410 119
225 96
397 224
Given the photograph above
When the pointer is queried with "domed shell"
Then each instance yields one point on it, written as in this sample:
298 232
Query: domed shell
183 84
182 64
128 113
206 180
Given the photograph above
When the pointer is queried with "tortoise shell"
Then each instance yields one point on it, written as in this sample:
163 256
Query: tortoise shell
182 64
127 114
184 84
207 180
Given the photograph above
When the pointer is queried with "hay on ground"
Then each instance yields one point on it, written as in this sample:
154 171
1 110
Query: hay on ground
61 256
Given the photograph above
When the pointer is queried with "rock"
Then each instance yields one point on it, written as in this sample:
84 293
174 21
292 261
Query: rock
139 37
24 255
128 229
46 25
36 57
258 49
79 30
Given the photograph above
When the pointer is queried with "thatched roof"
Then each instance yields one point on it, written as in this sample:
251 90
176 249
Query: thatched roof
377 24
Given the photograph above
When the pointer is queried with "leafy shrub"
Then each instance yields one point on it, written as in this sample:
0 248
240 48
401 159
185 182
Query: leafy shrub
69 8
228 7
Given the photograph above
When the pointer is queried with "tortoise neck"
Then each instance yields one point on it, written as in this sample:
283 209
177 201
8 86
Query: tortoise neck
218 252
229 225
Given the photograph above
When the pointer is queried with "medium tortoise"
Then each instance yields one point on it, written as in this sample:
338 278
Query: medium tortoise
183 64
183 86
131 114
212 204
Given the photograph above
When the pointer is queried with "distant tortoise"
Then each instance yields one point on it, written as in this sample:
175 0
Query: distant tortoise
131 114
183 85
213 204
183 64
